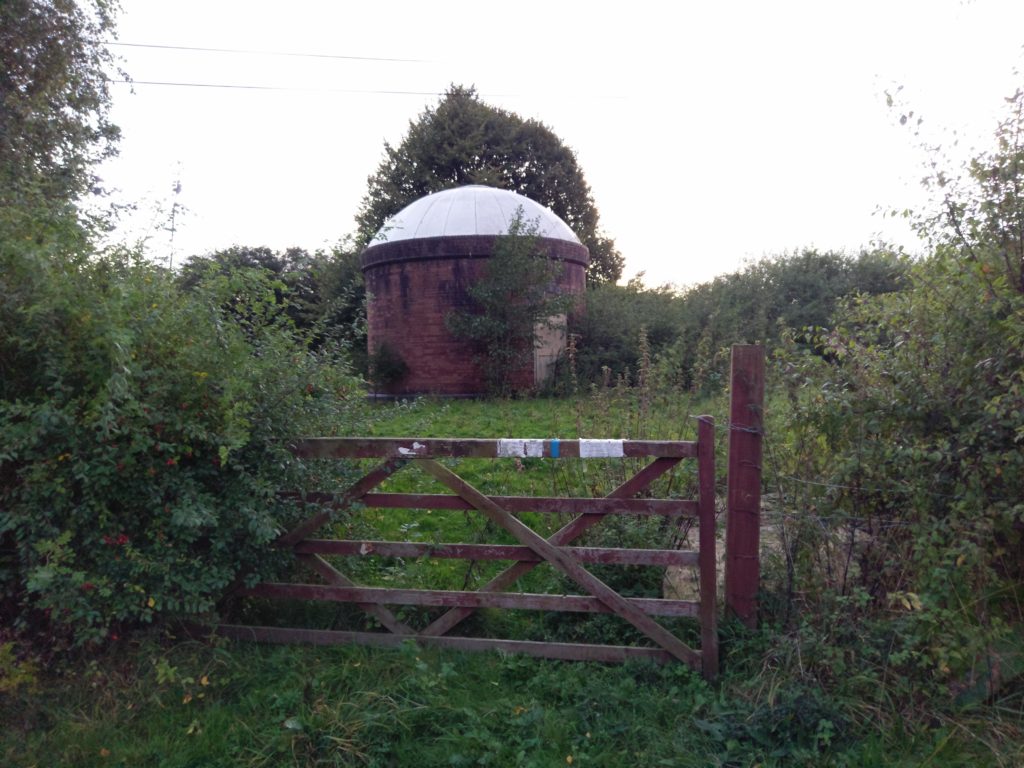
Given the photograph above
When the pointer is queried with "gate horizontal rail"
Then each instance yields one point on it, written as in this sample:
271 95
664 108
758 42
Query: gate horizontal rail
603 555
462 599
466 448
531 550
611 654
547 505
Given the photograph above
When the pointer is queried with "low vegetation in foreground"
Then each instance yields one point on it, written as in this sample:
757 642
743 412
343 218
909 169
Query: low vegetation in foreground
841 684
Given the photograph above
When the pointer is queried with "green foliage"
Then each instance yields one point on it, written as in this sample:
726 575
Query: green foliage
465 141
910 430
54 102
343 302
689 332
753 305
15 673
321 293
917 427
611 324
507 305
386 367
142 432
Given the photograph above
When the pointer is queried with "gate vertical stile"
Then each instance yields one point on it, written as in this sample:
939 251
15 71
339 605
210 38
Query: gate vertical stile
708 547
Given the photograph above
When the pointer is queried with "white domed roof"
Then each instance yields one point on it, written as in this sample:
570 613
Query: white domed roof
470 210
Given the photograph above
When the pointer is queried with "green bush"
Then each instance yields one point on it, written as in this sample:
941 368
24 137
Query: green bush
907 428
612 321
142 437
916 424
503 309
386 367
751 306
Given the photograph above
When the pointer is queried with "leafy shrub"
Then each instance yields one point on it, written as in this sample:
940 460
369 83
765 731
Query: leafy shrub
143 437
910 425
505 307
792 290
386 367
613 319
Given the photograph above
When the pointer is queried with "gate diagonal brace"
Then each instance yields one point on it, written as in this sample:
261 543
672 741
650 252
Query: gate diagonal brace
352 494
329 573
565 535
565 563
332 575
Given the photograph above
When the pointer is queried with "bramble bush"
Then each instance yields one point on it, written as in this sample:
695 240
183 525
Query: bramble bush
143 436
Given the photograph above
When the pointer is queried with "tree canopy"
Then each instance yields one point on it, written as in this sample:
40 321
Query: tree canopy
54 100
322 293
690 331
466 141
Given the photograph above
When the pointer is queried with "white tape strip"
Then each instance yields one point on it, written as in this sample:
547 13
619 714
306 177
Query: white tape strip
509 448
601 449
520 448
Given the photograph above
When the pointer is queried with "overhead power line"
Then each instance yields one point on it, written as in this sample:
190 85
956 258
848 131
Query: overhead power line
287 88
244 87
253 52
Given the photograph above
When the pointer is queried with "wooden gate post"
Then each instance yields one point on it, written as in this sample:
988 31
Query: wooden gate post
743 506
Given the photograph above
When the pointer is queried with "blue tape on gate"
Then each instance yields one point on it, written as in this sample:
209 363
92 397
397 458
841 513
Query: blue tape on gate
554 448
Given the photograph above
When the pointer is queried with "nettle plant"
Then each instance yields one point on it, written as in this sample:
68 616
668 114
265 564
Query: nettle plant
143 432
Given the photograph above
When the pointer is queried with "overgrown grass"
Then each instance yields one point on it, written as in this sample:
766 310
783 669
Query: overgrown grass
817 691
167 703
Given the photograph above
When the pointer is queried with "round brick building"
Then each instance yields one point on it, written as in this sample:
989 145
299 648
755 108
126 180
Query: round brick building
417 269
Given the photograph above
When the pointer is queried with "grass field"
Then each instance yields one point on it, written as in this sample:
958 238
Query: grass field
158 700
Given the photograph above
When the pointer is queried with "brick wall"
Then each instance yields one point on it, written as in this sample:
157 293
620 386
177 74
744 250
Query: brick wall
408 302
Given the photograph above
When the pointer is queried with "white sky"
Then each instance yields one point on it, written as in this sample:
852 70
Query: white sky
710 133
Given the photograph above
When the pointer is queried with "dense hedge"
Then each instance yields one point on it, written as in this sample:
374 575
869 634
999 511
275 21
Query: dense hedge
902 461
690 330
142 436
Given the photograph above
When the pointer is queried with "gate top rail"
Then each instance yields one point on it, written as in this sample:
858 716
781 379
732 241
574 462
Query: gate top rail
435 448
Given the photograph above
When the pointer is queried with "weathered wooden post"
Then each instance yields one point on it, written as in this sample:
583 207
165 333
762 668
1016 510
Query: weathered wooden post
743 506
708 555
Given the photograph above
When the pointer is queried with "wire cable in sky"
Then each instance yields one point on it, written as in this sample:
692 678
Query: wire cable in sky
287 88
266 53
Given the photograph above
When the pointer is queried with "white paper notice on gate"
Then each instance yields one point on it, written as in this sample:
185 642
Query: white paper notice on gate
601 449
520 449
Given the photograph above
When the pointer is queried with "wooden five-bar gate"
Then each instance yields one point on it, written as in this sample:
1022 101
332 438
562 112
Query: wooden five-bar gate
532 548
